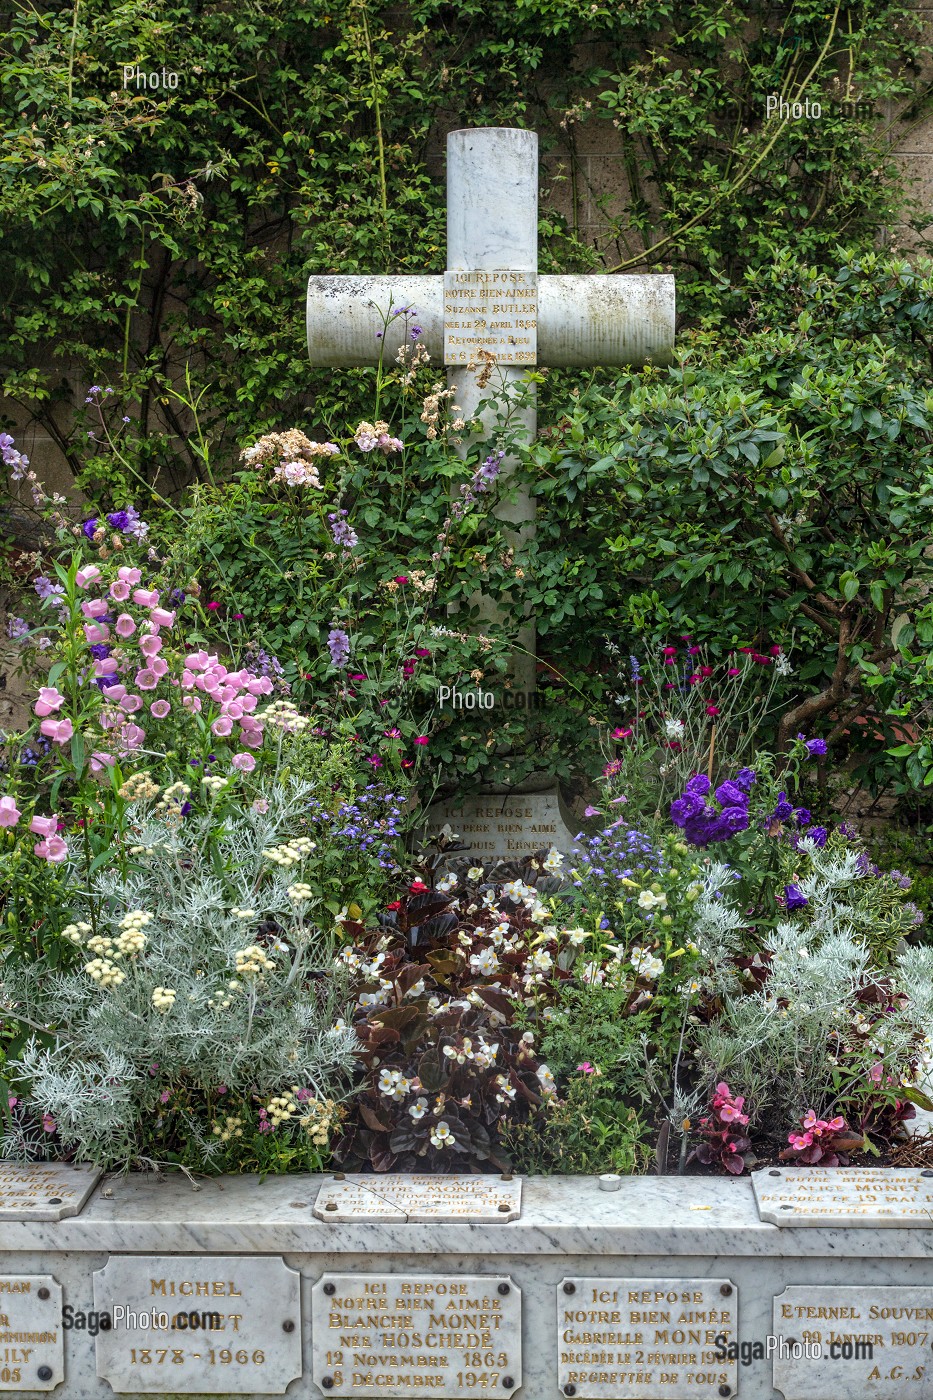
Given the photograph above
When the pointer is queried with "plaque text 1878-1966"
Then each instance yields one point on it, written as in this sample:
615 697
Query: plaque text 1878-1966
451 1336
640 1338
199 1324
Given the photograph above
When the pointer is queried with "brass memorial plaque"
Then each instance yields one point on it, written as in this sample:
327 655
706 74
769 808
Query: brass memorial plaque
198 1324
447 1335
641 1338
31 1343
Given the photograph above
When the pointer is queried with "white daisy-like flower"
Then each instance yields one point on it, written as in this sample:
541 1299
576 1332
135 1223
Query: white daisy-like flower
674 728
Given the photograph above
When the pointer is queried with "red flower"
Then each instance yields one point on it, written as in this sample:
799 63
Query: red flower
238 617
408 763
212 607
712 709
705 671
417 887
420 739
396 904
401 578
421 651
775 651
733 671
358 677
668 651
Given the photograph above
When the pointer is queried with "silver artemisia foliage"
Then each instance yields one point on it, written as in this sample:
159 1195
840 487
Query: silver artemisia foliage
113 1049
776 1043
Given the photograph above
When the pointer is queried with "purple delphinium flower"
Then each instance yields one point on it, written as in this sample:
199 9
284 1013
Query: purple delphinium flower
815 747
818 835
699 785
802 816
16 627
794 898
745 778
16 461
783 810
491 467
46 588
731 795
119 519
338 644
89 527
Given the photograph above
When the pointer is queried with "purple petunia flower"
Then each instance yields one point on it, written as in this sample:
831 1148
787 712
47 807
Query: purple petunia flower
815 747
783 810
802 816
818 835
89 527
699 785
794 898
731 795
745 778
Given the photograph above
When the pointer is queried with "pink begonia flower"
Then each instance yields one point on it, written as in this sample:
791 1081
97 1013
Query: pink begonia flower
9 812
44 826
96 633
146 598
131 703
146 679
261 806
876 1072
253 739
132 735
128 575
244 761
49 699
157 666
94 607
160 708
150 645
192 702
125 625
87 575
107 667
119 590
48 1123
586 1068
53 849
162 618
99 761
58 730
222 726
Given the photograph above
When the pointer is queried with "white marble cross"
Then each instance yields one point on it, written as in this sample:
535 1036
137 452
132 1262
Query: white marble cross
491 297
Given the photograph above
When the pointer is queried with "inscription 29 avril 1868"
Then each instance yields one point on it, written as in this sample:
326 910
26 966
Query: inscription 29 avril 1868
450 1336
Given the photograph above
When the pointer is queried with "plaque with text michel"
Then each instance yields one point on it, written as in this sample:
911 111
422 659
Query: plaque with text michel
44 1190
199 1324
31 1344
868 1343
453 1336
866 1196
642 1338
389 1198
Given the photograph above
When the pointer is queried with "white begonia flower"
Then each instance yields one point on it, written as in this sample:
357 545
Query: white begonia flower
366 999
554 860
418 1109
543 960
485 962
441 1135
448 883
546 1080
475 872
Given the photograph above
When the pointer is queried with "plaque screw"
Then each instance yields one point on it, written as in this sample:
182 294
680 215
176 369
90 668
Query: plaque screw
43 1293
726 1289
329 1289
331 1205
570 1390
55 1200
340 1176
787 1207
570 1288
506 1176
327 1382
507 1383
288 1326
504 1207
725 1390
926 1173
45 1373
774 1173
504 1288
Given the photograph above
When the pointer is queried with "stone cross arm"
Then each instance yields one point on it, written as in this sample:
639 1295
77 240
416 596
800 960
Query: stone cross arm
581 320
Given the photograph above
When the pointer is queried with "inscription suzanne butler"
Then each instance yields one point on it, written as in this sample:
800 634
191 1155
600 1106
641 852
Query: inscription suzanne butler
496 312
643 1338
870 1343
31 1343
453 1336
199 1324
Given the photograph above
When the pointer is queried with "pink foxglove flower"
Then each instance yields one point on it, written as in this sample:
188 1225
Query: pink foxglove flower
160 708
53 849
128 575
9 812
162 618
146 597
146 679
87 575
222 726
44 826
131 703
245 762
132 735
125 625
150 645
94 607
119 590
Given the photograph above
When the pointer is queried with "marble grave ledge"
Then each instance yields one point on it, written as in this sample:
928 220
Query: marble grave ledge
588 1293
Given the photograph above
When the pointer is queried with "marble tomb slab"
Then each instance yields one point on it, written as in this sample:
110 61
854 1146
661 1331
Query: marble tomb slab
32 1348
454 1336
496 312
199 1324
419 1199
637 1338
44 1190
866 1196
869 1343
